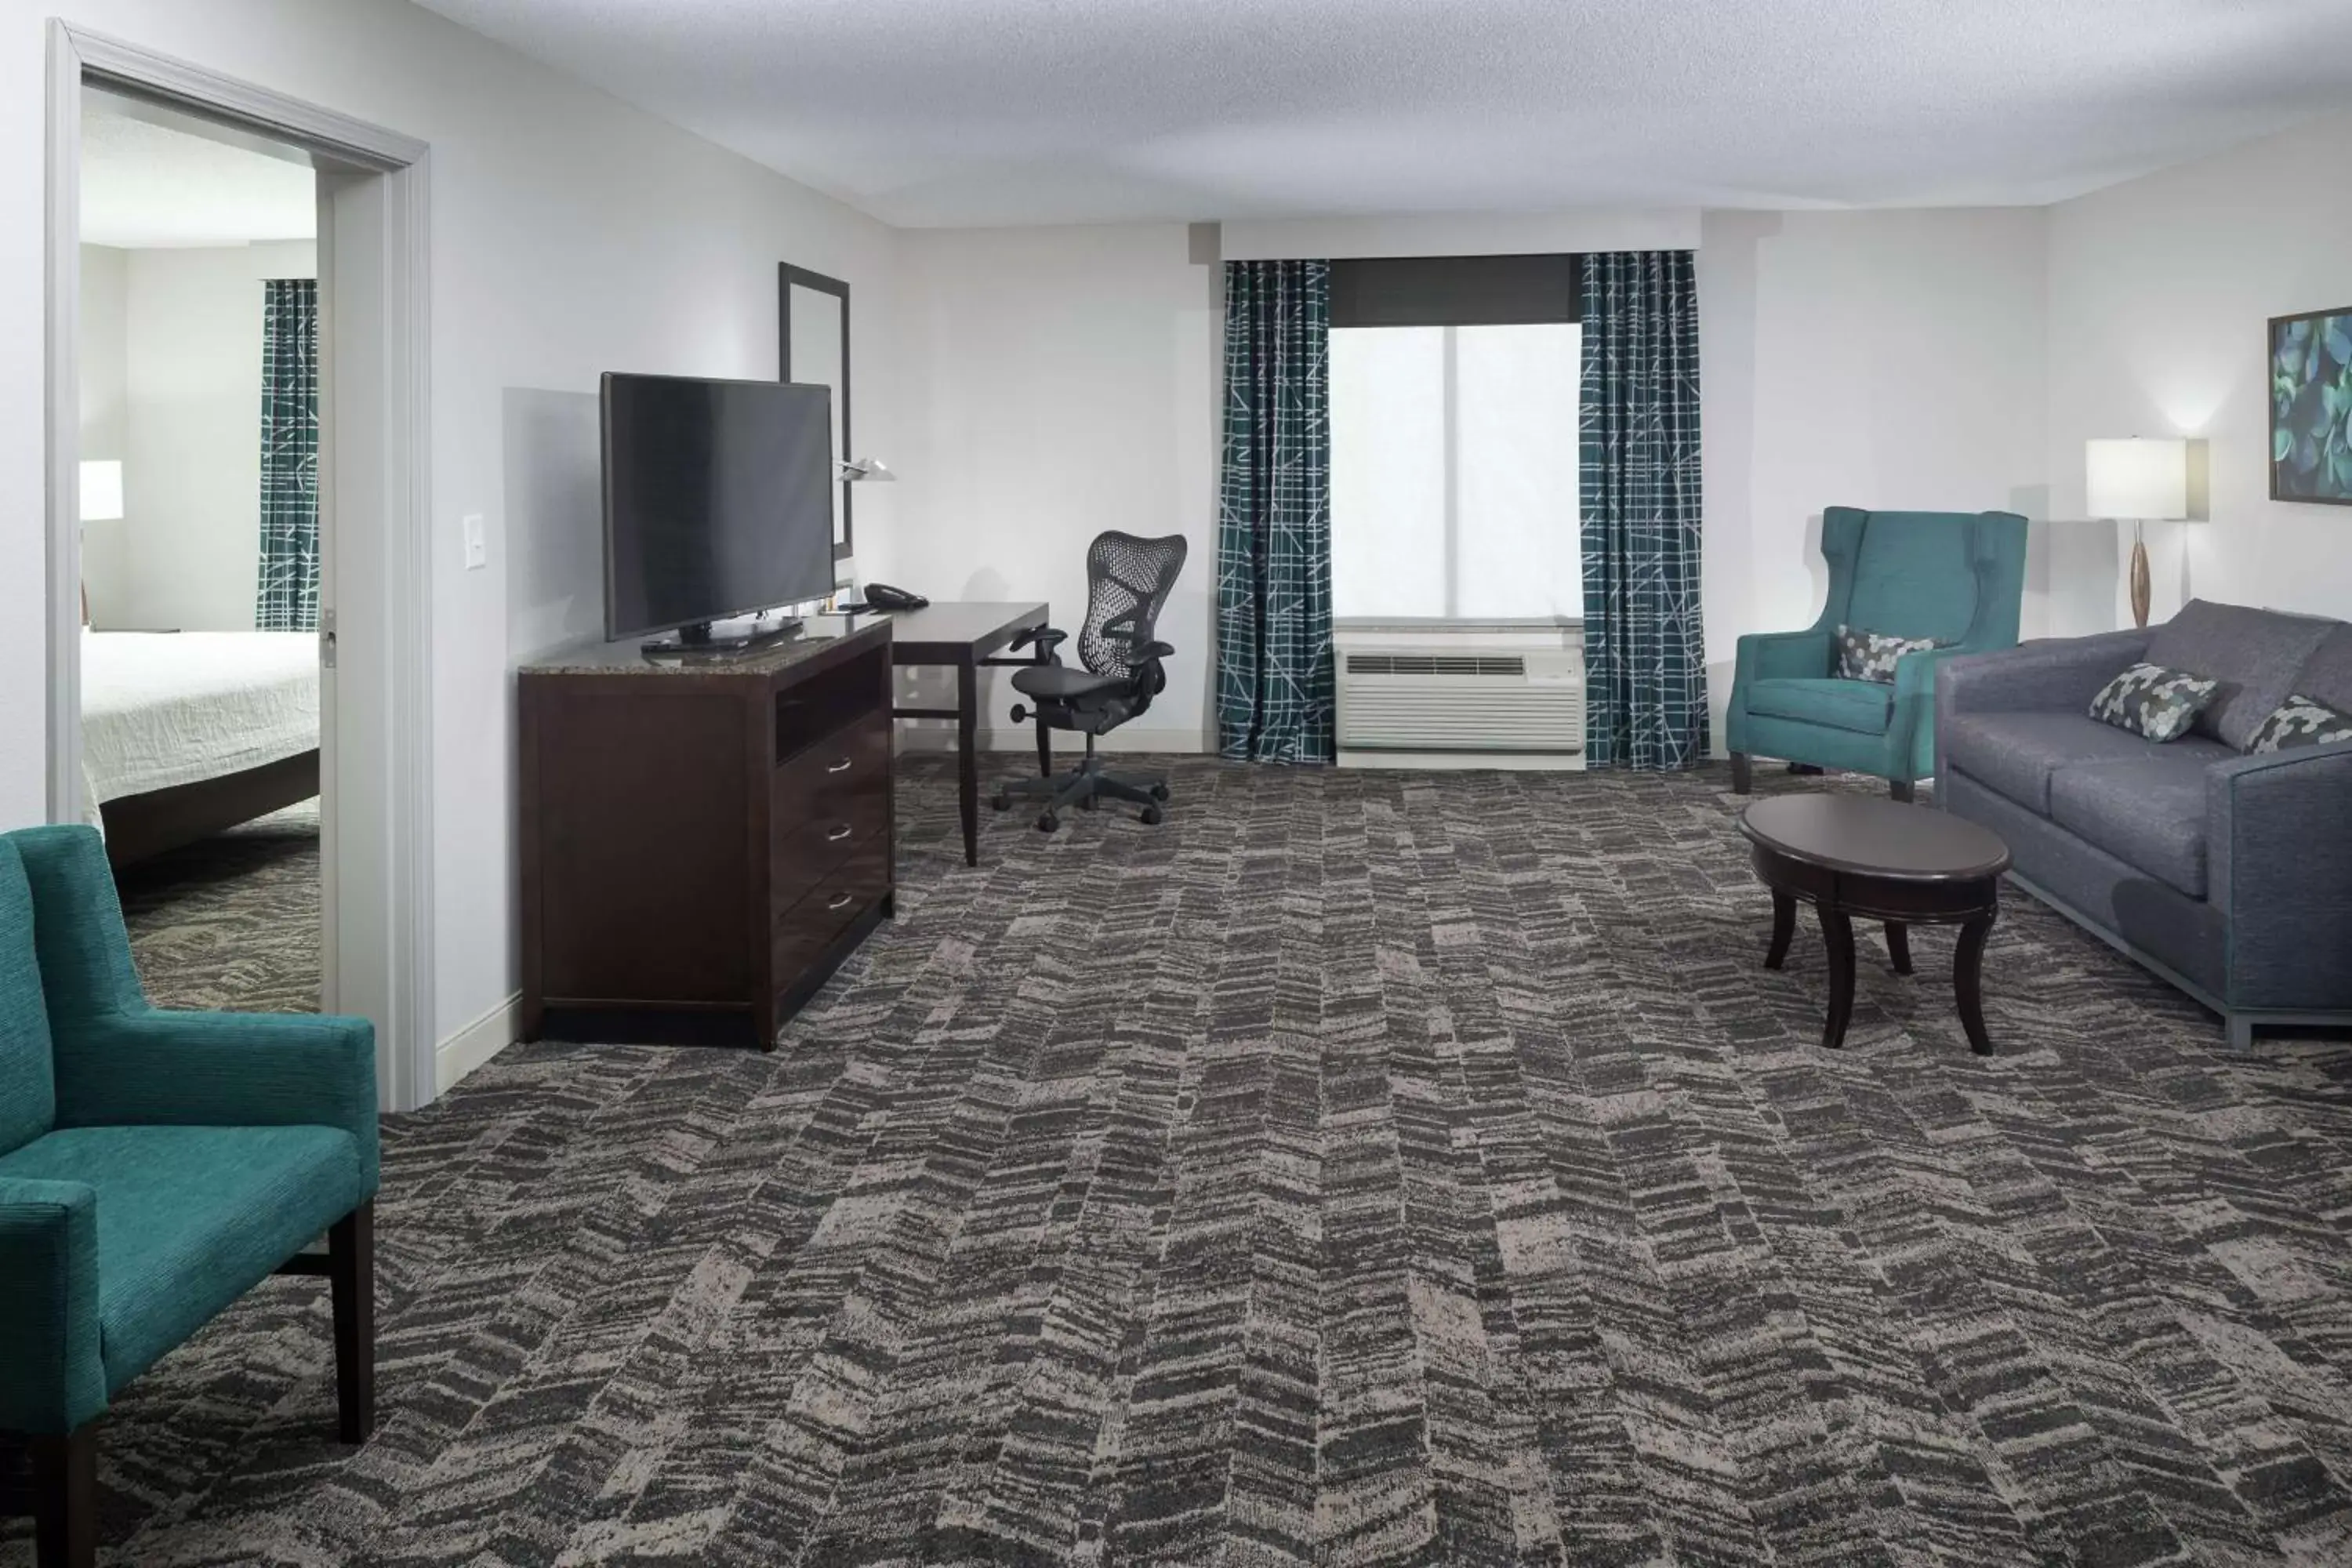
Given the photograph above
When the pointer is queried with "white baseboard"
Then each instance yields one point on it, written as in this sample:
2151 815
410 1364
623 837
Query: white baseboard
474 1044
933 736
1464 762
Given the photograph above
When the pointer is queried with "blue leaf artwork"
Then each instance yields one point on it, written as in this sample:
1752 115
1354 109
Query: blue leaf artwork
2311 407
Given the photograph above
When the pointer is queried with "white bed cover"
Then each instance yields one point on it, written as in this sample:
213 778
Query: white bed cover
159 708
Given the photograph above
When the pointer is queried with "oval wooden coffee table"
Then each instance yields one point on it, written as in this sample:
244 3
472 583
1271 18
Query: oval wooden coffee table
1850 855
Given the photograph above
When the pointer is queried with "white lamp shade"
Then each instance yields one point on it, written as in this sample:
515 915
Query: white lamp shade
101 491
2140 477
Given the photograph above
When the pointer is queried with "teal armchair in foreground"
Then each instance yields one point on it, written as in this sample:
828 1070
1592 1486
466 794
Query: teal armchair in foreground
154 1166
1954 577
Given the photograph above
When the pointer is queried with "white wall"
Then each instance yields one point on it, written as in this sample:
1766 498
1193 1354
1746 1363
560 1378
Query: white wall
1055 382
189 545
1869 359
105 283
2160 290
571 234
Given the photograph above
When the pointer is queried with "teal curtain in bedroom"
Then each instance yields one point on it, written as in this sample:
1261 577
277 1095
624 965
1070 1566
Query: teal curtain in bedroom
1274 516
1644 644
288 597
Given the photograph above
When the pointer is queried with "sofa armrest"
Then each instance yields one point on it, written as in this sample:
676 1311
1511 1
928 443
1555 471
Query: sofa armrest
1780 656
51 1376
2059 675
224 1070
2278 845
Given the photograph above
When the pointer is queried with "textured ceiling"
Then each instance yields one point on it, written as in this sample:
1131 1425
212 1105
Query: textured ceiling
146 186
1026 112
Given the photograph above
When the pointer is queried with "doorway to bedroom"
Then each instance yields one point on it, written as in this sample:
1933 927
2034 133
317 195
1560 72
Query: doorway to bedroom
199 352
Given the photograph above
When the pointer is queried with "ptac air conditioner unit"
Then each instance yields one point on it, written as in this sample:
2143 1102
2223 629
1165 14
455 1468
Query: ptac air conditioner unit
1460 694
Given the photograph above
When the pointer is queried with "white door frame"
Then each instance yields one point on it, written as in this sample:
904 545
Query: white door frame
375 475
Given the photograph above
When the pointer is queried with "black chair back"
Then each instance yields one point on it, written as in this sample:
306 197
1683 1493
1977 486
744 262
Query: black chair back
1128 583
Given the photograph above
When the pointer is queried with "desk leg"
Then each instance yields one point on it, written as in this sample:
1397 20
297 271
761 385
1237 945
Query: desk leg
967 761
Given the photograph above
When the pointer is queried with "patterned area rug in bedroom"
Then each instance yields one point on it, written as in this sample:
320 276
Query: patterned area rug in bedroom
1360 1168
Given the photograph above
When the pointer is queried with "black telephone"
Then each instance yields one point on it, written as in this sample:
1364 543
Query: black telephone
882 596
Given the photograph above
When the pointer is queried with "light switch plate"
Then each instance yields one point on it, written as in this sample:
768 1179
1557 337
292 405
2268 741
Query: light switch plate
478 544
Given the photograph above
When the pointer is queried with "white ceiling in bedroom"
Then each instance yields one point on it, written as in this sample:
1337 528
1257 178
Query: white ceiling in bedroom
148 186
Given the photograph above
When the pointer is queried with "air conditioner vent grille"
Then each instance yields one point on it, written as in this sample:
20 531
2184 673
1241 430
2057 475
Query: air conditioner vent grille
1458 664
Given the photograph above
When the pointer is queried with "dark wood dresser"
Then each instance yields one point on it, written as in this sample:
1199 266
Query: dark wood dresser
703 842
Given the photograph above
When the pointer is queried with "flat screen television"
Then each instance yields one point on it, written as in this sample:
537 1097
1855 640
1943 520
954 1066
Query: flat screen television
718 500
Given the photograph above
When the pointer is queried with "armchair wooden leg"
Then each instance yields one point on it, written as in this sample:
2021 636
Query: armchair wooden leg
1902 789
65 1499
351 1270
1742 777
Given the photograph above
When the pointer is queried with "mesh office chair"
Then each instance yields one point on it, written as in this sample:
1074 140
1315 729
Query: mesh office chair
1128 582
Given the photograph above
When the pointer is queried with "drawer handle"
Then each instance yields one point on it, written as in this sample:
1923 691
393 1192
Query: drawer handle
840 767
840 833
839 902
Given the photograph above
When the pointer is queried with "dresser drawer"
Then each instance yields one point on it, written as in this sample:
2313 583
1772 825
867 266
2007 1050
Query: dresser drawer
845 892
828 780
802 856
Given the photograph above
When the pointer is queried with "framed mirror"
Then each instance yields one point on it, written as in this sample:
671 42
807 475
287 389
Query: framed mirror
813 348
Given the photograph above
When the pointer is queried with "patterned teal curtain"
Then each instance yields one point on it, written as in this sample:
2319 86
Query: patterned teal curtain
1644 647
1273 515
288 597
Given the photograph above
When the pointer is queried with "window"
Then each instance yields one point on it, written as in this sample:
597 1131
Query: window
1454 470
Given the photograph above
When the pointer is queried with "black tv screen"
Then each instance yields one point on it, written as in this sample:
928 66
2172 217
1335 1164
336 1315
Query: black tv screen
718 498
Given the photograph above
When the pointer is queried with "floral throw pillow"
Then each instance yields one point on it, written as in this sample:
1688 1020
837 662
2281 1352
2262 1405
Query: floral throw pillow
1870 656
2151 700
2302 722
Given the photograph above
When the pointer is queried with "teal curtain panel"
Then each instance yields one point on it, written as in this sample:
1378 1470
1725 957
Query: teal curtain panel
1645 645
1274 516
287 599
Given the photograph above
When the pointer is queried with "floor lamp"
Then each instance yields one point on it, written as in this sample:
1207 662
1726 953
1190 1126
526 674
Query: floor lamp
2138 480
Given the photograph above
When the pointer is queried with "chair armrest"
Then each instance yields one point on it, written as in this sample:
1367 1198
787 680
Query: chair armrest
2278 844
1779 655
222 1069
1047 639
2059 675
51 1376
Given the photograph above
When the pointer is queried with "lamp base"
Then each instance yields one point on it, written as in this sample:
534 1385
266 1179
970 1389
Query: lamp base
2139 581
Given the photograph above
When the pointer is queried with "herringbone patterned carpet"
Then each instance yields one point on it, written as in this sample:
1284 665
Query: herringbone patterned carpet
1358 1168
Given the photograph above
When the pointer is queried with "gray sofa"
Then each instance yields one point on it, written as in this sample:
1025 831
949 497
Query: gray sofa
2227 874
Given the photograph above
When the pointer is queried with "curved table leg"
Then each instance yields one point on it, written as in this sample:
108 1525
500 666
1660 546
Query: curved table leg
1838 931
1968 982
1784 926
1898 946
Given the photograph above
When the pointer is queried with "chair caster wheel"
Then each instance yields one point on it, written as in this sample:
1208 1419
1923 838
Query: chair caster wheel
1048 823
1159 793
1002 801
1151 817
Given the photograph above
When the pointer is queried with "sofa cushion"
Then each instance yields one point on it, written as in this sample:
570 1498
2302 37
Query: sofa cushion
2255 654
2151 700
2301 721
2148 813
2327 675
1860 706
28 1092
2014 754
1865 655
190 1218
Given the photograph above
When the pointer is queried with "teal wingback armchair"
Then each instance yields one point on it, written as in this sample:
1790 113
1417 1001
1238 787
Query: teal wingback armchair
1955 577
154 1166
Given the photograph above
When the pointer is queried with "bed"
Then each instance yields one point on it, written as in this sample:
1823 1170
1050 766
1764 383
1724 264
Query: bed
186 733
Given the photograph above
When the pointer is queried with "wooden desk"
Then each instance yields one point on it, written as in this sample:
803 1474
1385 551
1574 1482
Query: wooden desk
963 637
